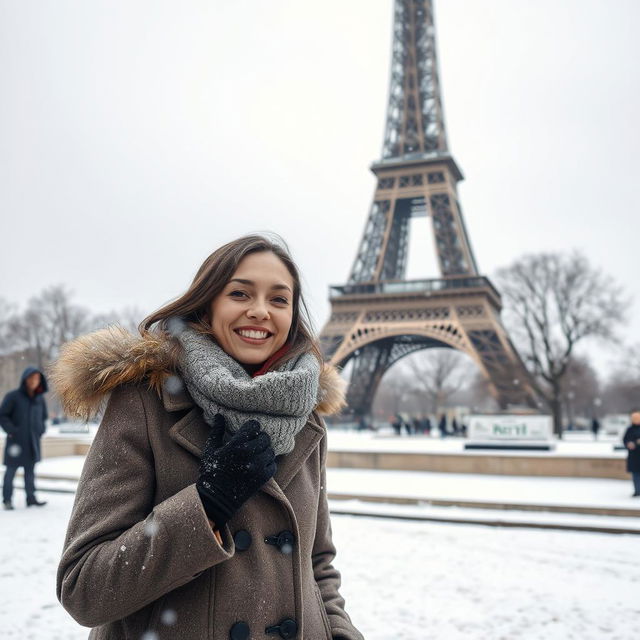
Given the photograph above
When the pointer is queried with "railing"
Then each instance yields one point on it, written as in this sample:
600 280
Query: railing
412 286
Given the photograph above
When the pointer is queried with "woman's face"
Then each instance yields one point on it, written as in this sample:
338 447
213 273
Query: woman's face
251 316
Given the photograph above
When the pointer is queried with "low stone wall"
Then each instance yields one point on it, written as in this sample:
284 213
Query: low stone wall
59 446
521 465
540 464
56 447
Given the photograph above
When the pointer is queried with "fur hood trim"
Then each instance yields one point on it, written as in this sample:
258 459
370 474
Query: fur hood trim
91 366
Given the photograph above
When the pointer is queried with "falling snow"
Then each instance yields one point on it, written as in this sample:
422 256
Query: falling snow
14 450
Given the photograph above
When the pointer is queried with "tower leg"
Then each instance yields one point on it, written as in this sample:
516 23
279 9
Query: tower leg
368 368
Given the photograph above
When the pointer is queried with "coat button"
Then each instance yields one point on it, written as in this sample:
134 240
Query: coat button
287 628
239 631
242 540
284 541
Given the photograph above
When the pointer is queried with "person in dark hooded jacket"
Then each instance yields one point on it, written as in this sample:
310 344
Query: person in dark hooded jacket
631 440
22 415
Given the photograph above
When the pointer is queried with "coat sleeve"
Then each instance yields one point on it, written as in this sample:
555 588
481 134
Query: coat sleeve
121 552
6 413
45 416
627 436
326 575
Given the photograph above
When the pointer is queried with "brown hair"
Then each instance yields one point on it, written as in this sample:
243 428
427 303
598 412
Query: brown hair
212 276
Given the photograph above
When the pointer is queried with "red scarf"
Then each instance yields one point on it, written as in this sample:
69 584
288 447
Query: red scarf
265 367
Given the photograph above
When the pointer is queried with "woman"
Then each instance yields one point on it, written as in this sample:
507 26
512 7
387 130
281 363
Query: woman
201 512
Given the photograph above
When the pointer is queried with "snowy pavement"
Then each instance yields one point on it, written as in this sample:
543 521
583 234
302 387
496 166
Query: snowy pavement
401 580
452 497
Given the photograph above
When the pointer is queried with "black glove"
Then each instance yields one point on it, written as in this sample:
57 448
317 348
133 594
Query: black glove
231 474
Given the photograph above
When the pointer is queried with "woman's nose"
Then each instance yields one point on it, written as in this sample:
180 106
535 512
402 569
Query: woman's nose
258 310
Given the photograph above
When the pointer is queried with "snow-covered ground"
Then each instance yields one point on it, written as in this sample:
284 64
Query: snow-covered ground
573 444
401 580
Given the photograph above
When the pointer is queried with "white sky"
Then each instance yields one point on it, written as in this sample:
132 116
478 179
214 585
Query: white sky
137 136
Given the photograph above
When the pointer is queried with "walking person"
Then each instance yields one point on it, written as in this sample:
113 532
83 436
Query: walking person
202 510
631 440
442 426
23 416
595 427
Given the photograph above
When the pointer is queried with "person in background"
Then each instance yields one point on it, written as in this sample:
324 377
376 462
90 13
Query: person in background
22 415
631 441
595 427
442 426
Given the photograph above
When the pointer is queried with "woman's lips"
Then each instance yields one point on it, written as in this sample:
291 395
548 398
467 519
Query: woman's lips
251 336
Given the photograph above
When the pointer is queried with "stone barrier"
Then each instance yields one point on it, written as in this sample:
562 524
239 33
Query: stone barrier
542 464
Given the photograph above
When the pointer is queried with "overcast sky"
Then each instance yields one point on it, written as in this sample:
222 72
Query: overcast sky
138 136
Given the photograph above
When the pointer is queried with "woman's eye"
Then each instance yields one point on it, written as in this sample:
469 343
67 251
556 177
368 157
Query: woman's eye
280 300
237 294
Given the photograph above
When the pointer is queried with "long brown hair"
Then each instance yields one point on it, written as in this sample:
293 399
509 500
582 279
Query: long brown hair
215 272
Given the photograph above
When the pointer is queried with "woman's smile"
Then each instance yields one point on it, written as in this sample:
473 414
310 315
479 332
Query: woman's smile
253 335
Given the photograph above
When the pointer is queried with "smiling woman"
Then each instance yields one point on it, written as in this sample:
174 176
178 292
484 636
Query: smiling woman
202 506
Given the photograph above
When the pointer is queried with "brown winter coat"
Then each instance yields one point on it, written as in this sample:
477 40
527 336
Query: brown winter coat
140 554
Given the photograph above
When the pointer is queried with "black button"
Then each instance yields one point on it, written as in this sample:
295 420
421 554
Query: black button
287 628
239 631
242 540
284 541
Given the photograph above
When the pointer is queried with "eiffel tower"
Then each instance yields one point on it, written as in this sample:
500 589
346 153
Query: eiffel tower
378 316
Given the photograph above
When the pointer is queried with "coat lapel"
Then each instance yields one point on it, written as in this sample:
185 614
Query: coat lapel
306 441
191 432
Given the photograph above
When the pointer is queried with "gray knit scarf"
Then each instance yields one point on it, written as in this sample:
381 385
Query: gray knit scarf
281 401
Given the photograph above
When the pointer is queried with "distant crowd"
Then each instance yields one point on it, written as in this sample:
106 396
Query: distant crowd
420 425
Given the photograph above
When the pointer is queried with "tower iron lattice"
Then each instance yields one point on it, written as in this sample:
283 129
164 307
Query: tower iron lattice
378 316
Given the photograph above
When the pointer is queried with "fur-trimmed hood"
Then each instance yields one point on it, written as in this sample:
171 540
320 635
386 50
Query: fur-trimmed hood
91 366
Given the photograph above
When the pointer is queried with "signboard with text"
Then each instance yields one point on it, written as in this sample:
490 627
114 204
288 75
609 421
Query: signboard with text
510 427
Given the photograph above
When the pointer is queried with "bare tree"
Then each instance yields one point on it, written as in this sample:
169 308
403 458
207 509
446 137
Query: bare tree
35 334
49 320
632 356
622 391
7 310
393 393
438 375
580 389
129 318
553 302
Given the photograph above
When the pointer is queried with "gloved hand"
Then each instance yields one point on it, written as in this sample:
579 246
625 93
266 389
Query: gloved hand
231 474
